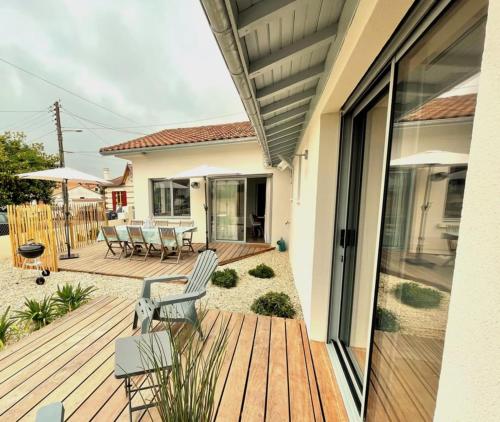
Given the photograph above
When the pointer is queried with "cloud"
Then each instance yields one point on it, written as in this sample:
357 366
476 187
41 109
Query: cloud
153 61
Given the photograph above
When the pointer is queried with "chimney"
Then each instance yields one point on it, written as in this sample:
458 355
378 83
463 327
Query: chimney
105 174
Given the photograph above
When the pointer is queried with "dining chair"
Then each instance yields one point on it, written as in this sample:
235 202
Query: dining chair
187 237
161 223
173 223
138 241
169 243
113 241
136 222
256 226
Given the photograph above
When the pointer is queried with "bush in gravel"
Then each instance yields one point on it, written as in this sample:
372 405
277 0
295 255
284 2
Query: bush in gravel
6 323
225 278
68 298
274 304
37 314
386 320
262 271
419 297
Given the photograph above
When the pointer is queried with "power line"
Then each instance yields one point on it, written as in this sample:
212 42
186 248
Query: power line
65 89
76 119
25 120
102 125
21 111
124 128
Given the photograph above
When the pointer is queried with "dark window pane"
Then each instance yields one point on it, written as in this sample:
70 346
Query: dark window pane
161 198
181 195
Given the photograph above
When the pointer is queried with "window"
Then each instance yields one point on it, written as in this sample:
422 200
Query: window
171 198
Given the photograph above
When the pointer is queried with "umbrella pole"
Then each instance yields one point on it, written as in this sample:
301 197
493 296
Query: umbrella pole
418 260
205 206
69 255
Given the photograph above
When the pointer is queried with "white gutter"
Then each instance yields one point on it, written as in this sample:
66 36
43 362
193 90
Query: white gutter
145 150
220 24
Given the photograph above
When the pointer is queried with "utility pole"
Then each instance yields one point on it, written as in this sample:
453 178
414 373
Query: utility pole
59 133
64 186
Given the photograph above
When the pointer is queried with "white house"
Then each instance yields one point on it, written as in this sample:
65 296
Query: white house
79 193
250 206
120 195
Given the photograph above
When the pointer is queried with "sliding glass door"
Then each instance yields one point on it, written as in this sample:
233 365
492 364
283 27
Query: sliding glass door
357 230
228 207
402 175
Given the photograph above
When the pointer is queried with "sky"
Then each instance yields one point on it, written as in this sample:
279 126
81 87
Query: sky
151 64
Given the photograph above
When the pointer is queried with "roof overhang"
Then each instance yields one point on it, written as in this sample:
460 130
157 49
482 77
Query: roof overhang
279 54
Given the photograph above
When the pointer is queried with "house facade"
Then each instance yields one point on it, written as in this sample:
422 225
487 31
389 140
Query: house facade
120 195
388 114
250 203
79 193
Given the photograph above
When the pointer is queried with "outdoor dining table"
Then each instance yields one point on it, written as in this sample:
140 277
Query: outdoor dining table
151 234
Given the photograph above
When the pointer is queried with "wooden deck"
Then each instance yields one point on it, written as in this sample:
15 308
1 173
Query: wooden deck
92 260
271 370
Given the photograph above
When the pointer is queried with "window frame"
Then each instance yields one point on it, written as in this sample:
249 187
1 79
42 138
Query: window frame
171 190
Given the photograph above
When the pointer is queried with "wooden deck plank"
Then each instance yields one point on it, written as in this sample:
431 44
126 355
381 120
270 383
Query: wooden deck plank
230 405
331 398
254 407
277 392
301 406
311 375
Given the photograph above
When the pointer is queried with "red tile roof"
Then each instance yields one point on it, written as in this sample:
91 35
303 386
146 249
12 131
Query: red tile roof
444 108
187 135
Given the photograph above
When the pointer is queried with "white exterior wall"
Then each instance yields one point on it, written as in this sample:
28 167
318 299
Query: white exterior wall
78 192
245 157
469 387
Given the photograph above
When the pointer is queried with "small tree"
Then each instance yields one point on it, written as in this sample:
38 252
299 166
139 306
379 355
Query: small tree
17 156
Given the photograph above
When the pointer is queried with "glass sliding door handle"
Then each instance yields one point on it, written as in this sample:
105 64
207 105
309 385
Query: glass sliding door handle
342 238
347 237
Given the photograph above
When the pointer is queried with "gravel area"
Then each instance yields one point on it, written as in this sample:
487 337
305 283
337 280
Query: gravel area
15 284
414 321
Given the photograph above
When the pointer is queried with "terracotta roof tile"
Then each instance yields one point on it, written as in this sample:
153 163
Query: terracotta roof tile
187 135
444 108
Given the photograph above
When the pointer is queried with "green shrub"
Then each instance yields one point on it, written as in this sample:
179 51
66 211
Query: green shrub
386 320
6 323
419 297
274 304
37 314
225 278
262 271
68 298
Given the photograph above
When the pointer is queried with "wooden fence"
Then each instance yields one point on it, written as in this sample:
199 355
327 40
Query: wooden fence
28 223
45 224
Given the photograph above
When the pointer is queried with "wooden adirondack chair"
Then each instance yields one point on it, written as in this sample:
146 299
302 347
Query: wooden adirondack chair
180 307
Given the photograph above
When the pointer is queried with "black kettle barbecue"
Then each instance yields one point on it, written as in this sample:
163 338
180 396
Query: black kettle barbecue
31 252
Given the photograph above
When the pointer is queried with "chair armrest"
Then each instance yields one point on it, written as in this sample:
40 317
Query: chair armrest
148 281
182 297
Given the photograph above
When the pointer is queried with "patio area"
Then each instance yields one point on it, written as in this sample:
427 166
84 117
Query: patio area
92 260
271 370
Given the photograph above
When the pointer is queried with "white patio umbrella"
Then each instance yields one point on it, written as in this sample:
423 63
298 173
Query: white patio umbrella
63 175
428 159
205 171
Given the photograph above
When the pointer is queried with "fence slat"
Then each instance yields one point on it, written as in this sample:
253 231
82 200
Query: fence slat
45 224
